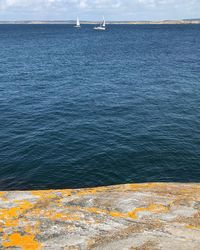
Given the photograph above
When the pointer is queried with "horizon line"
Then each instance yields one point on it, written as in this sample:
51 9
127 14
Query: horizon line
73 20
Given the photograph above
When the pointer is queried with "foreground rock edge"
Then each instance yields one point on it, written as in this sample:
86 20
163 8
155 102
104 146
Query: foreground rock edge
131 216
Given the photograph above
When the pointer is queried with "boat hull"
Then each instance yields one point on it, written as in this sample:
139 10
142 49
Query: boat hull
99 28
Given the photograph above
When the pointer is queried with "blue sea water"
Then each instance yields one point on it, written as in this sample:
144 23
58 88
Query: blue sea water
81 108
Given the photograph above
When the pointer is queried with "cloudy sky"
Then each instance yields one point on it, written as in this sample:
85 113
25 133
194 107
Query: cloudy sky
94 9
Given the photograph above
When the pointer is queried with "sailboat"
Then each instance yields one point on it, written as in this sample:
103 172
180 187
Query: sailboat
102 26
77 23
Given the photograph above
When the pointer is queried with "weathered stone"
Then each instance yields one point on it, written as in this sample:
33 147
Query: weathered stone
132 216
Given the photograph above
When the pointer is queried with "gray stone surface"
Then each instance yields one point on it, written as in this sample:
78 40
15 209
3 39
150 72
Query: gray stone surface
133 216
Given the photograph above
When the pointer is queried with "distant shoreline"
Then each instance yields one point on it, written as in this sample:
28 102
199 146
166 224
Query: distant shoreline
187 21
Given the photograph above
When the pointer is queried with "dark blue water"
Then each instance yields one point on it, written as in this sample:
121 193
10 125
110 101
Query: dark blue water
83 108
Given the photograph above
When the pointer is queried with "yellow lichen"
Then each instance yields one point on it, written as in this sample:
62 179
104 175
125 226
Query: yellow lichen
25 217
25 242
9 216
11 223
193 227
3 196
31 229
63 216
153 208
48 194
86 192
117 214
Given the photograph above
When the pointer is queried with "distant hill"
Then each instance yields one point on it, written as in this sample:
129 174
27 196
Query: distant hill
184 21
192 19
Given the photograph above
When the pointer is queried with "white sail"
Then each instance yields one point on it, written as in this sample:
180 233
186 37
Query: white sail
77 22
102 25
78 25
104 22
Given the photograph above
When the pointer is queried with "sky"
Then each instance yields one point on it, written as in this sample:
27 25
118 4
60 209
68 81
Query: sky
124 10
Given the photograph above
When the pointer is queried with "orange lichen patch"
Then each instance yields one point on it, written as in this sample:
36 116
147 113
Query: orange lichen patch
11 223
8 213
118 214
3 196
10 216
120 188
41 192
153 208
86 192
36 213
52 214
32 229
95 210
49 194
80 192
103 211
135 187
24 205
26 242
29 229
185 191
64 217
67 192
193 227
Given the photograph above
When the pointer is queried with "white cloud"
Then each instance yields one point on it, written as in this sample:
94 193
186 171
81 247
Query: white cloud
114 9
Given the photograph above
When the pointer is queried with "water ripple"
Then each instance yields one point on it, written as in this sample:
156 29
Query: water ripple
84 108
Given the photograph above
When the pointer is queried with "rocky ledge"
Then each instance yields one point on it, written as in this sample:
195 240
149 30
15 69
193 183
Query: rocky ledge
133 216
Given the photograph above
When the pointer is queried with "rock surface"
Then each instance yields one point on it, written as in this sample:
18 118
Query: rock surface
132 216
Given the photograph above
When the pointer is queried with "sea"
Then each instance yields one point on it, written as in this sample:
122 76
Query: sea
85 108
